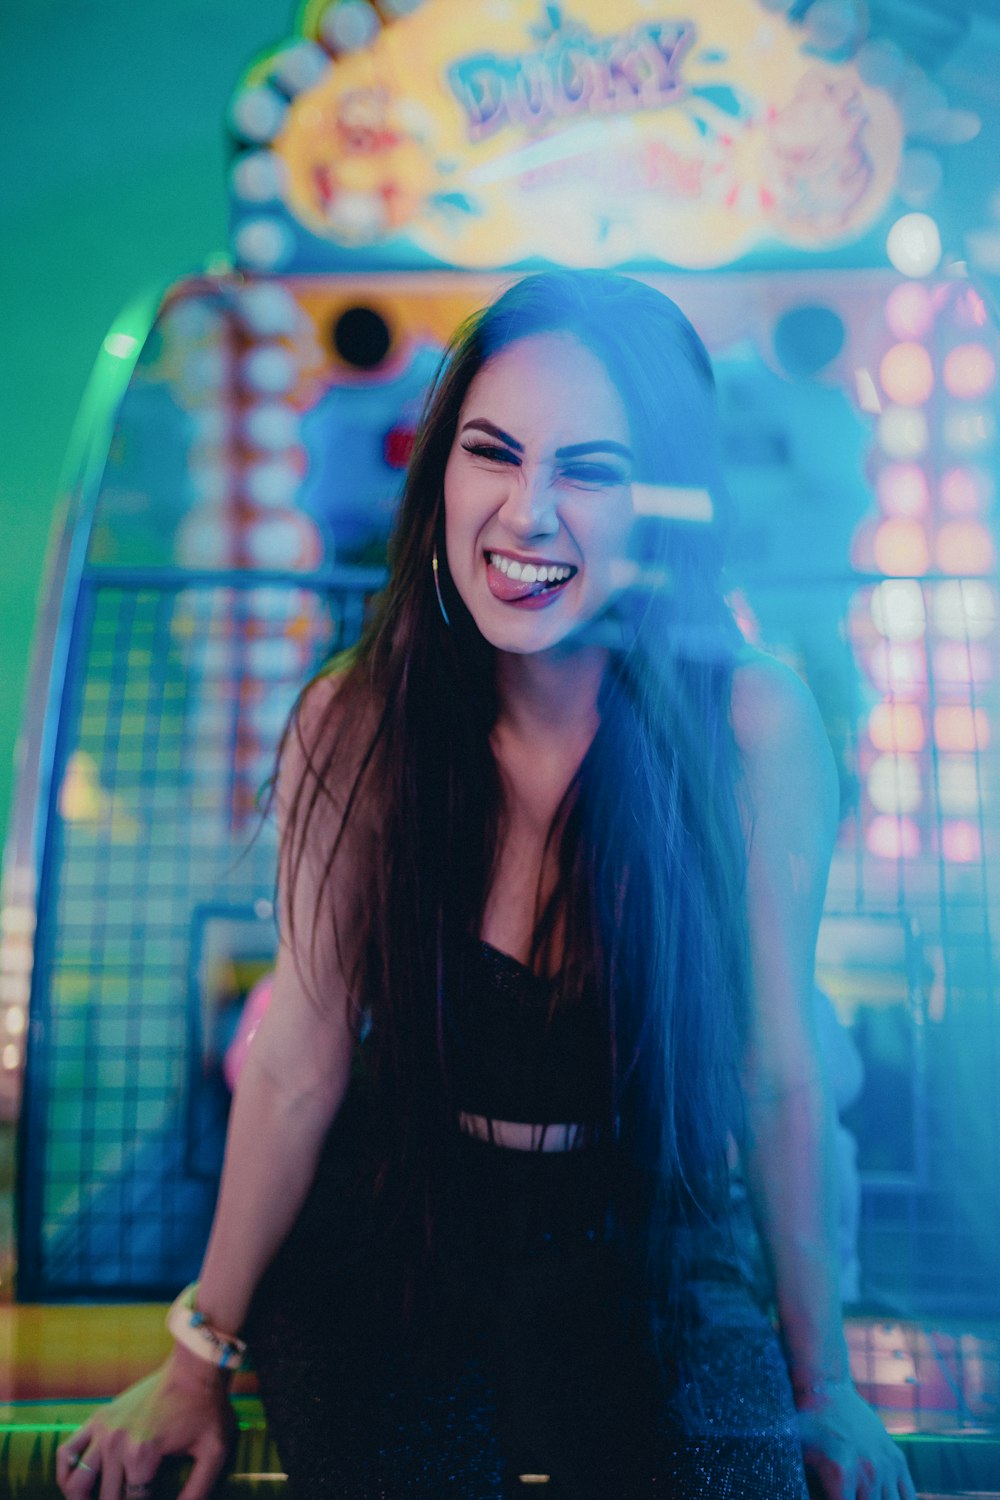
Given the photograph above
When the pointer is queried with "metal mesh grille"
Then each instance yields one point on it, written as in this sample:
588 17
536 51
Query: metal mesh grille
906 946
158 850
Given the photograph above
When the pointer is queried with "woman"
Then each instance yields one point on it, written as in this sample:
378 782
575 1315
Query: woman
553 853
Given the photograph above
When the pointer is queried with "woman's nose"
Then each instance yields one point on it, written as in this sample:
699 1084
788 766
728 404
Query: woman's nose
530 509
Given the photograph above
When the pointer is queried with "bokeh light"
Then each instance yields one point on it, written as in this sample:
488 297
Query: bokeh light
907 374
960 666
258 176
903 490
269 369
964 609
265 243
914 245
898 669
903 432
286 539
958 726
969 371
897 609
961 842
271 483
257 114
894 784
893 838
909 310
966 490
964 547
272 425
900 548
959 790
897 727
967 429
269 309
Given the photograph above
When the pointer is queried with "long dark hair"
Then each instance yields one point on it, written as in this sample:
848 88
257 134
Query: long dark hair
648 904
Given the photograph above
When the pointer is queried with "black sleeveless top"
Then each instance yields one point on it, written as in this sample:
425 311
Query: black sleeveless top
511 1060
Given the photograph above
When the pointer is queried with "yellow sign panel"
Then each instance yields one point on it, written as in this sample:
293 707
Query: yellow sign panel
488 132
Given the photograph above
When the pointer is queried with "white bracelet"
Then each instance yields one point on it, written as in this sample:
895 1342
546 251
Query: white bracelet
188 1327
825 1387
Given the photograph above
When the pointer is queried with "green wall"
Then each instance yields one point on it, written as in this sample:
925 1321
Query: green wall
112 181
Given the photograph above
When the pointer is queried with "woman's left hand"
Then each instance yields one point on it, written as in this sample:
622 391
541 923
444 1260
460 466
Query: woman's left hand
848 1453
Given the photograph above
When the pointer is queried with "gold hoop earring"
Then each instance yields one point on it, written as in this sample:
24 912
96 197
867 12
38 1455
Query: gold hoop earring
437 586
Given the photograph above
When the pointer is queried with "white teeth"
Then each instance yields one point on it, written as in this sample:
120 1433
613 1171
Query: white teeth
528 572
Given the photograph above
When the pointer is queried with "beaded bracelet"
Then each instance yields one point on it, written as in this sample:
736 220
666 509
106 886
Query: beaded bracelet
822 1387
188 1327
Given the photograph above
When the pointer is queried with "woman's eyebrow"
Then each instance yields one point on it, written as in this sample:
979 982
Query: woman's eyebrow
601 446
494 431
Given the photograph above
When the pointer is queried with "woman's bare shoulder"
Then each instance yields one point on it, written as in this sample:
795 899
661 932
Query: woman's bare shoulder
783 745
330 728
772 710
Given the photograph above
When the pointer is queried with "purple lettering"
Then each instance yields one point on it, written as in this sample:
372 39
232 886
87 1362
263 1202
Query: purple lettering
672 44
478 84
575 71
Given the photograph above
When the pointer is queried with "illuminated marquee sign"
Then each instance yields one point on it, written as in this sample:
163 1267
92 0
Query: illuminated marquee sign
494 134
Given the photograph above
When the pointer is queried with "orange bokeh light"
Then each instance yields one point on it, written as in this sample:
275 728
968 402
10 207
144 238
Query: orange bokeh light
959 727
896 727
969 371
964 547
900 549
907 374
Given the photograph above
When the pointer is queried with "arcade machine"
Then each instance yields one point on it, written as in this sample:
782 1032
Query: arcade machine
233 480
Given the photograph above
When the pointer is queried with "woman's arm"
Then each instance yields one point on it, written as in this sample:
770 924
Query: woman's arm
790 792
294 1079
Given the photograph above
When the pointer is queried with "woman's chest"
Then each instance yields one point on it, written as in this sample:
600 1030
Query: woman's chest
524 877
536 790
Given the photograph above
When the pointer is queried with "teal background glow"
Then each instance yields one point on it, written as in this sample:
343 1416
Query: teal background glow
112 163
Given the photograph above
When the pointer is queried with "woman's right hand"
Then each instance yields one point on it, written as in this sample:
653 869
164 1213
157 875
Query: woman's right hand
182 1409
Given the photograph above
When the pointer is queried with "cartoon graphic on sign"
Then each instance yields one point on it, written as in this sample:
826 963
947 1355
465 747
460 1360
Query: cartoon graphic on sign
816 162
371 173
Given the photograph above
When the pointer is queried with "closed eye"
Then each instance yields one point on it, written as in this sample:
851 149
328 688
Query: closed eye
492 452
593 474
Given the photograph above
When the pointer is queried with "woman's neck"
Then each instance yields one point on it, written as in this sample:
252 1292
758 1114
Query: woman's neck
551 696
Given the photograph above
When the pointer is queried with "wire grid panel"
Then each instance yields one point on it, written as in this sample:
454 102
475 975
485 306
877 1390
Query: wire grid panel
906 947
176 699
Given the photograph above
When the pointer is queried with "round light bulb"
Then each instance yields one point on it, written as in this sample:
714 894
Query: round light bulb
914 245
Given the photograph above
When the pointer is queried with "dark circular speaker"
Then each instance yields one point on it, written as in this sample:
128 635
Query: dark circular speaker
808 338
361 337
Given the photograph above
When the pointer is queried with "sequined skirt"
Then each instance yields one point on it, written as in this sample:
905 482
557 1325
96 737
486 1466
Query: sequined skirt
520 1359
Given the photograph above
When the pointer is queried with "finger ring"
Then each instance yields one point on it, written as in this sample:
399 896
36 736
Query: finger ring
137 1491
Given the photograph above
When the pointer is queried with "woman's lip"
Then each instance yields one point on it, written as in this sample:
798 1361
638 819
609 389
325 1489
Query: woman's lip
522 557
517 591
